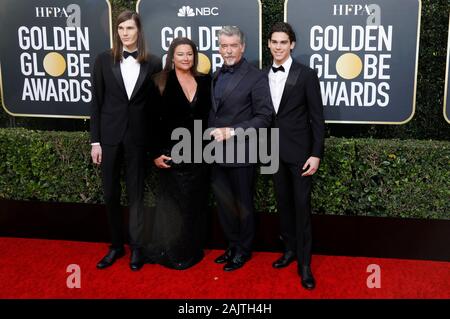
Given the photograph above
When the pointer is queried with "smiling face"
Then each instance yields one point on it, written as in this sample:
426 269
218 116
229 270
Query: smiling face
183 57
231 49
128 33
280 47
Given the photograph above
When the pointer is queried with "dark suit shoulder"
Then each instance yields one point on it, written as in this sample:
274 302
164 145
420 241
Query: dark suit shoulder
153 59
105 55
253 71
304 68
250 67
154 64
103 60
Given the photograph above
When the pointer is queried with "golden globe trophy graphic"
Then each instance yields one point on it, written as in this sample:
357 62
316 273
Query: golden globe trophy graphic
349 66
204 65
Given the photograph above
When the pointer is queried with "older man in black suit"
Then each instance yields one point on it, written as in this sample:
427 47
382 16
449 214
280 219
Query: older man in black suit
298 115
241 100
120 118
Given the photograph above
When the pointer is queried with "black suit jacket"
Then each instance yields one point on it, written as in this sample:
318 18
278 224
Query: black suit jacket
300 116
112 113
245 103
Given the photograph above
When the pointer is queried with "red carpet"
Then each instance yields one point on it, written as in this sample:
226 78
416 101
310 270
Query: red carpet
32 268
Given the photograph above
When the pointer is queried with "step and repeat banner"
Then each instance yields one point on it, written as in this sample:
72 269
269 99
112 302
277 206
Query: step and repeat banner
200 20
447 82
47 51
365 53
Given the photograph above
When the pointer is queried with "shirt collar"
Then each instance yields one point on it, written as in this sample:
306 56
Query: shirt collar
286 65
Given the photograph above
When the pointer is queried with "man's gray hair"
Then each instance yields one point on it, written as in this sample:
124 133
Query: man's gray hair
230 30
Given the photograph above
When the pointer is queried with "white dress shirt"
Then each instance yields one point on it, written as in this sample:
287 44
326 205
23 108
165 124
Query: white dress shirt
130 72
277 80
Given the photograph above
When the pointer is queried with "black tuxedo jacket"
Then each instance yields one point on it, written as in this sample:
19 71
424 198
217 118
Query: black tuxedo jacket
300 116
245 102
112 113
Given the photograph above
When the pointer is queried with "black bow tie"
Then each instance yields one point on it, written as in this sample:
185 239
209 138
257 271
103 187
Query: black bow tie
126 54
280 68
226 68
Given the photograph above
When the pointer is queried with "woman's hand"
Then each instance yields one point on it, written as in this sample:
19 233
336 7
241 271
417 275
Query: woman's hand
159 162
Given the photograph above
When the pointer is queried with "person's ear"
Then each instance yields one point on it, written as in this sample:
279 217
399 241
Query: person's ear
292 45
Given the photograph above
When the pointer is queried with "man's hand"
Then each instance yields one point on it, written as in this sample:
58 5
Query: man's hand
313 163
159 162
96 154
222 133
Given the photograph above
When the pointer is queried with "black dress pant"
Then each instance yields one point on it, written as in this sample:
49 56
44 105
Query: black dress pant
132 157
293 194
234 188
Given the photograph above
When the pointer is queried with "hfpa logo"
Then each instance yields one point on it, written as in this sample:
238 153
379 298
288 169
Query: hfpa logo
188 11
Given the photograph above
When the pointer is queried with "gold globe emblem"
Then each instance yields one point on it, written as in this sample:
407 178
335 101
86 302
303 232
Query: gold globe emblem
54 64
349 66
204 65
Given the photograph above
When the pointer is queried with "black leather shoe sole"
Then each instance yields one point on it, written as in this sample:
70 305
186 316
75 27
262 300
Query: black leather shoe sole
108 261
307 278
281 263
222 259
308 284
232 266
104 265
136 266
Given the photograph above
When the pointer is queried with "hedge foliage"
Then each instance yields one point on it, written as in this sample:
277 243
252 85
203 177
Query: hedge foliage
357 176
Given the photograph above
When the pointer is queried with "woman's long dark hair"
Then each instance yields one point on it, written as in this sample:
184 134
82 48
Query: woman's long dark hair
117 45
161 77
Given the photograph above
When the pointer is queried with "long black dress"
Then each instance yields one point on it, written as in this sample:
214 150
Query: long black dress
178 226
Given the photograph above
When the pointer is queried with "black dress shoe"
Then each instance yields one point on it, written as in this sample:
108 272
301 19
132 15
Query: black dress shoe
237 262
112 255
225 257
307 277
137 260
285 260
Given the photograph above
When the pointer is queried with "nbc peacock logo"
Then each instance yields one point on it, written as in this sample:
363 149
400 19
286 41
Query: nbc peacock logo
186 11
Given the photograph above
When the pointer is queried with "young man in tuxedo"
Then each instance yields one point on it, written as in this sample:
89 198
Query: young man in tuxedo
298 114
120 118
240 99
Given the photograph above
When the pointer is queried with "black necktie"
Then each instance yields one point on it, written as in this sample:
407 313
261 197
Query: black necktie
280 68
126 54
226 68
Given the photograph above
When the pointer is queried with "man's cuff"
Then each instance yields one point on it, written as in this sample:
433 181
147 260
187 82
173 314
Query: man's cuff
96 143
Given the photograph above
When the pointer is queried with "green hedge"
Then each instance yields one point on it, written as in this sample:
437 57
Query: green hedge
357 176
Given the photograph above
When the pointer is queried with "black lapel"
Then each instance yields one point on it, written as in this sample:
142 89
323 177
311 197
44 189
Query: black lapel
118 75
214 78
235 79
140 80
267 71
294 72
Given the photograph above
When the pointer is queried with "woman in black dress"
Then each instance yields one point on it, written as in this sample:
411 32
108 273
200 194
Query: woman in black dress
178 226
